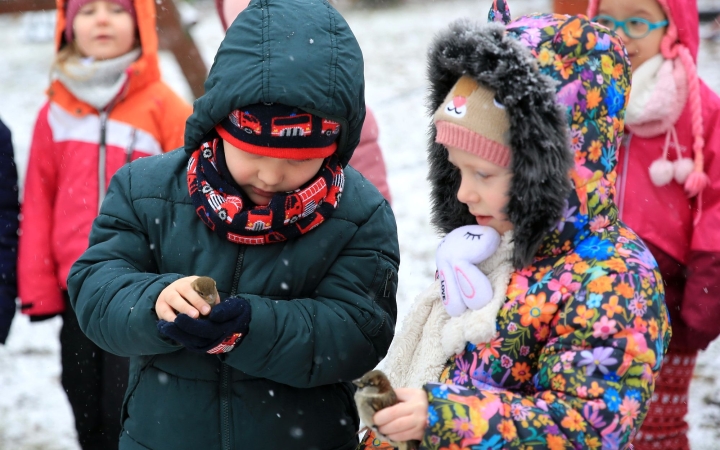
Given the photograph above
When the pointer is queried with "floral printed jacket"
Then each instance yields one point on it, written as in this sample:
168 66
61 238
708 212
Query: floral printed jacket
584 328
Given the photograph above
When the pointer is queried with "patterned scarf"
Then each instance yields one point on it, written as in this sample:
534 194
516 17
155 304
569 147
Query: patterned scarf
228 211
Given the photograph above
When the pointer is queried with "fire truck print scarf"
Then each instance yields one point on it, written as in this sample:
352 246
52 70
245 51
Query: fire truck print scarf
228 211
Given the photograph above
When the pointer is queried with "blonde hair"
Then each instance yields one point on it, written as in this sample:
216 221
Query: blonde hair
67 53
70 53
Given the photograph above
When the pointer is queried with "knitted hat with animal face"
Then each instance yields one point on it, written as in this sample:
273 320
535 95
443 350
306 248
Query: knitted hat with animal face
681 41
562 83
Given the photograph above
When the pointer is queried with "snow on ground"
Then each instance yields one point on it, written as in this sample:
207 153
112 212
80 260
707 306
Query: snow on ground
34 413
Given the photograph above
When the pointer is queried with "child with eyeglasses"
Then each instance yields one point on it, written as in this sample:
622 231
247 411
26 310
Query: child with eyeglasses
668 188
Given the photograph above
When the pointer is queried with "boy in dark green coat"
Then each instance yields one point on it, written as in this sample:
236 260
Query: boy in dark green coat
303 249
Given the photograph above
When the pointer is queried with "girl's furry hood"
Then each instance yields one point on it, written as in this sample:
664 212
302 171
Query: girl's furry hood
543 69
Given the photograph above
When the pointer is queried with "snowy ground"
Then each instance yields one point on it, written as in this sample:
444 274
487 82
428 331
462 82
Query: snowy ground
34 413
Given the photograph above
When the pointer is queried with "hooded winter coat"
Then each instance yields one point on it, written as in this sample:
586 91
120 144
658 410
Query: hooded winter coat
75 151
367 158
323 304
583 328
683 233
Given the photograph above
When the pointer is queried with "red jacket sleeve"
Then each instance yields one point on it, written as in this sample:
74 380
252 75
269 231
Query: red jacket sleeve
701 300
39 288
368 158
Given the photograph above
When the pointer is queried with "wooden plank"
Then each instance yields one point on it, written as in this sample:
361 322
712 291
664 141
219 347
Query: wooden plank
173 37
572 7
15 6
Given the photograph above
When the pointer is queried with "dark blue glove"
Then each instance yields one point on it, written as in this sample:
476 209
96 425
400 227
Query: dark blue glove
224 328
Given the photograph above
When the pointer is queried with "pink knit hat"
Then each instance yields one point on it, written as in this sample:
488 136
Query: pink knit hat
472 120
73 6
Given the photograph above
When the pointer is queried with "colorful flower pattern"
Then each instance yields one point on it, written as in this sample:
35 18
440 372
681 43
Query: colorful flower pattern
584 329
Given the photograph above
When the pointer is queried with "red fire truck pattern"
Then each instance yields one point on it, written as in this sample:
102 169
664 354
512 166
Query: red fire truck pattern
259 219
335 191
225 206
294 125
330 127
246 121
302 203
192 175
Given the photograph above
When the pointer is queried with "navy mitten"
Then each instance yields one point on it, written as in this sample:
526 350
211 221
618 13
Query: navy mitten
220 332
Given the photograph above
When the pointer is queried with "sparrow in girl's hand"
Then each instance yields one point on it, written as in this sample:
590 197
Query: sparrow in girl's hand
373 394
207 289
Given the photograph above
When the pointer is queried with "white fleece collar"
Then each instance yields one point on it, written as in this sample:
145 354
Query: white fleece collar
429 336
657 97
97 82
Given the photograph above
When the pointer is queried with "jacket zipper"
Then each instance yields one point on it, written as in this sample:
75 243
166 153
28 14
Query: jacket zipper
623 180
130 146
225 425
102 157
225 406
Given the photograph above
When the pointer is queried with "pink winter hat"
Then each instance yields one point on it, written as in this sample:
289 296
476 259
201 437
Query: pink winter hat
73 6
472 120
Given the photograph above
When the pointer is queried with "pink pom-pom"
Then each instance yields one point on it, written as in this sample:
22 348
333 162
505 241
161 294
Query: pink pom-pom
661 172
696 182
683 169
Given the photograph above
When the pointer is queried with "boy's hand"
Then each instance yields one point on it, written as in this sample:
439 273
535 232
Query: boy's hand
180 298
406 420
226 325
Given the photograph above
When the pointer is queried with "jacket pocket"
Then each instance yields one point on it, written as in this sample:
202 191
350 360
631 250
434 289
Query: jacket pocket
383 290
137 367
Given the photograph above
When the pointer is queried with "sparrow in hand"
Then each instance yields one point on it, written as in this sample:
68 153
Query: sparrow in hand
207 289
373 394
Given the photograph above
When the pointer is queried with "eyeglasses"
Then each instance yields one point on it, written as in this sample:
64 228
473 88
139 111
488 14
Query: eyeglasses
634 27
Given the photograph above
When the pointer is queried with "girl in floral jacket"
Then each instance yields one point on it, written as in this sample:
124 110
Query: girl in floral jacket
579 331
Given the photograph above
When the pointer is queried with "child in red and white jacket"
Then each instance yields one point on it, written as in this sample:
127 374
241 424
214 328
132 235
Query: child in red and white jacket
669 188
106 107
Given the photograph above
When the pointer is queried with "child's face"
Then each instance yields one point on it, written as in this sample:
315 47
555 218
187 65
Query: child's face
261 177
642 49
104 30
484 188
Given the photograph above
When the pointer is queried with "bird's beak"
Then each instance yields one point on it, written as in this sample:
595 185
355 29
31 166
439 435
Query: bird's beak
358 383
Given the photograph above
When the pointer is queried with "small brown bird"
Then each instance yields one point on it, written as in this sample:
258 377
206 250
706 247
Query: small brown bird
373 394
207 289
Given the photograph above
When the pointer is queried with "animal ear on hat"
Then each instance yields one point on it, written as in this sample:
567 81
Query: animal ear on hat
500 12
575 38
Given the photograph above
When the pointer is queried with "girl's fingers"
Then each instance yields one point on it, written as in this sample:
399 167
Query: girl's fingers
407 419
399 425
391 413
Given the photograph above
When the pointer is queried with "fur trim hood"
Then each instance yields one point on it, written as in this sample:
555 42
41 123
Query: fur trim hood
564 84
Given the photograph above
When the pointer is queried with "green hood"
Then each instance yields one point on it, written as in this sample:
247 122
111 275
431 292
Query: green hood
299 53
